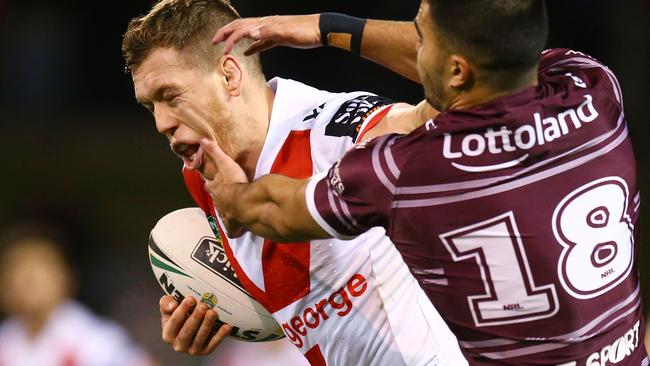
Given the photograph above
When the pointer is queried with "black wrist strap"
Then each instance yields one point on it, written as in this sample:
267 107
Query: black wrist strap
342 31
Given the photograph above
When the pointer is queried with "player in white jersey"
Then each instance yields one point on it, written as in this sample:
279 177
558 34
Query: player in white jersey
340 304
44 326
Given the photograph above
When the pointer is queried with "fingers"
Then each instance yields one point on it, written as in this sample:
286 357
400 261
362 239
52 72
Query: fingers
213 151
173 324
259 46
232 33
301 31
191 334
204 332
236 36
167 305
211 158
187 333
224 32
217 339
200 346
253 28
223 169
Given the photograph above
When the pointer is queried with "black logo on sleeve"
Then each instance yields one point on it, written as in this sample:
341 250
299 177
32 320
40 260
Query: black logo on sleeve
348 119
314 113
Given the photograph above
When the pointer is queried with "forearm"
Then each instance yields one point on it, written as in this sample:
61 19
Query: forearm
389 43
273 207
392 45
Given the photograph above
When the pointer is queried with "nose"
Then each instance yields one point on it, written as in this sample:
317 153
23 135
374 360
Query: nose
166 124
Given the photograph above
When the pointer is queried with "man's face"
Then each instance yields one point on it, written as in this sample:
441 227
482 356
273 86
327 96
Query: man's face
34 279
187 101
430 59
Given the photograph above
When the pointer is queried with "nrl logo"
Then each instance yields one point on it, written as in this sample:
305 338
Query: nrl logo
209 299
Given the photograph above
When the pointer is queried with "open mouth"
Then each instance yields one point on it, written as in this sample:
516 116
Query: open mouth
192 155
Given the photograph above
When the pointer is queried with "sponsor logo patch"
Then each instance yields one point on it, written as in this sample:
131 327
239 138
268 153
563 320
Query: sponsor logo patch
350 116
209 253
540 131
335 180
618 351
339 303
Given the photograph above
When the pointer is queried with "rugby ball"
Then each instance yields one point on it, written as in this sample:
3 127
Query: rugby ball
189 260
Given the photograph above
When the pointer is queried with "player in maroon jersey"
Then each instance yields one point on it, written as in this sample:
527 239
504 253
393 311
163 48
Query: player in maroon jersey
517 208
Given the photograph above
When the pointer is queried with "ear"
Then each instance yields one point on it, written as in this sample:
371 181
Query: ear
461 72
233 73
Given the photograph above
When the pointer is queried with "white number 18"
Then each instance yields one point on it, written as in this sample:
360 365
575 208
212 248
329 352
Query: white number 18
596 235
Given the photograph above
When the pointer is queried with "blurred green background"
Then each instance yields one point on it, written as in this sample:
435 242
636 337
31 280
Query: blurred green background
78 152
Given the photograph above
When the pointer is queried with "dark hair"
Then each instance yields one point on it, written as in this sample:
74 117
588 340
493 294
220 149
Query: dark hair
495 34
42 232
183 25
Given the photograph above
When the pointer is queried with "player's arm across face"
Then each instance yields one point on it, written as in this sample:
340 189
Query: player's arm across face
391 44
273 206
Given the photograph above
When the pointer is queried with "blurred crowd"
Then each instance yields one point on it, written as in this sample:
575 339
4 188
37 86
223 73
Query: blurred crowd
44 324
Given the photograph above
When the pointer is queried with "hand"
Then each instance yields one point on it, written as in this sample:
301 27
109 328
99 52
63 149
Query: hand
190 334
297 31
222 174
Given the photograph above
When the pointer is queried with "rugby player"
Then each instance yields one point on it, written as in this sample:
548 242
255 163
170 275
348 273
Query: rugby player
340 304
516 208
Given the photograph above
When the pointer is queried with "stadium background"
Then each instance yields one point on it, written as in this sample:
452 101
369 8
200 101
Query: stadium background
78 151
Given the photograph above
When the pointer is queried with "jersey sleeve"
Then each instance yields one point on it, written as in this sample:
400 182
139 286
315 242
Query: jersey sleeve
356 193
354 114
586 71
340 124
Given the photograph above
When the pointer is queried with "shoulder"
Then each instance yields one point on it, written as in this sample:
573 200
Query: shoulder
580 70
566 58
380 160
339 123
345 115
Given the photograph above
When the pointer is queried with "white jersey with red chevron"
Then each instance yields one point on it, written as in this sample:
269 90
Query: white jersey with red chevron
340 302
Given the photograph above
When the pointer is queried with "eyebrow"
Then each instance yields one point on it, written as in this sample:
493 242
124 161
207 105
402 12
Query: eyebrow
157 94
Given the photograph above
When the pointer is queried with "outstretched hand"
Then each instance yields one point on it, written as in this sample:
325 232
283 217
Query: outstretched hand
297 31
222 175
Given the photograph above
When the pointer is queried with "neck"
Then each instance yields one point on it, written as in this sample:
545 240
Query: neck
35 324
35 321
484 92
248 157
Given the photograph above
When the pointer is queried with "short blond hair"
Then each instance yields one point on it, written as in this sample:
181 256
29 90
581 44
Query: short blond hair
185 25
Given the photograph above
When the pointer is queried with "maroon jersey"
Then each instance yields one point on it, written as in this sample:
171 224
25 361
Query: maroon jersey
518 217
